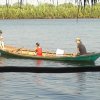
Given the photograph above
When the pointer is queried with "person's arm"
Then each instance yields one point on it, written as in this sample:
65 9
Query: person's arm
35 49
78 51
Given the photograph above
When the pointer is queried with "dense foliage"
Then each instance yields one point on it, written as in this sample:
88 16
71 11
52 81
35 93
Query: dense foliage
49 11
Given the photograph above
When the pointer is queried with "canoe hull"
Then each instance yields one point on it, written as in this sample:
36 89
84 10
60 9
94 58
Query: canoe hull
87 58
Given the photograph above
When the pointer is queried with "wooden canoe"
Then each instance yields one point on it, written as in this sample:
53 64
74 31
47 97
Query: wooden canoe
13 52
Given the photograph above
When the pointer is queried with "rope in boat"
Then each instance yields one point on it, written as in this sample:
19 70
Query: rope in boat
49 69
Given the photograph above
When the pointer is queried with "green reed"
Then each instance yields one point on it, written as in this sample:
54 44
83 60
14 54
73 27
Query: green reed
49 11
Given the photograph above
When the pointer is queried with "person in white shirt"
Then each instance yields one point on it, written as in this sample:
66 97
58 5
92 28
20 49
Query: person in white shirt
1 41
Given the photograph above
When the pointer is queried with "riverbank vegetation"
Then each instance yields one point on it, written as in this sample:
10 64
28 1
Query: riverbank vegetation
49 11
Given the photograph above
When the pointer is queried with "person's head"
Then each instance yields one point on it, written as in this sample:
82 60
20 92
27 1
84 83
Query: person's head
37 44
78 40
0 32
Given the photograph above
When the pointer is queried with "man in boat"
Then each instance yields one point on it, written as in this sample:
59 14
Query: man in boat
38 49
81 49
1 41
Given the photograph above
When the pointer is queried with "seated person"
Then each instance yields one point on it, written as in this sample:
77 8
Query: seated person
81 50
38 49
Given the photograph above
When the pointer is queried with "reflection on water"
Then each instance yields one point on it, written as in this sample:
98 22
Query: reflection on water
38 63
81 64
2 59
81 82
42 63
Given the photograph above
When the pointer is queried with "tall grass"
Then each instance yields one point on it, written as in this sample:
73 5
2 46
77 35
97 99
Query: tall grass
49 11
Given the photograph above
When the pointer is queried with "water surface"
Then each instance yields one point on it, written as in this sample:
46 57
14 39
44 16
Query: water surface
52 34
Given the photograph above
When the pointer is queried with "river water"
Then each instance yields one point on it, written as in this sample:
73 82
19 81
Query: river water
51 34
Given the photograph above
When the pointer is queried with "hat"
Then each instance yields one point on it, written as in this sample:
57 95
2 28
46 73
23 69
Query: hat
78 39
0 31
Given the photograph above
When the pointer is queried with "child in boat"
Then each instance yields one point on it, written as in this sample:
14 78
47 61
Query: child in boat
1 41
38 49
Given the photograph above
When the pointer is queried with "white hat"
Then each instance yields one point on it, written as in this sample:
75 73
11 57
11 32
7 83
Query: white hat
78 39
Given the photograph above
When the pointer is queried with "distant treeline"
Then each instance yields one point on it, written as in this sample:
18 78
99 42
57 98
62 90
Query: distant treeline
49 11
